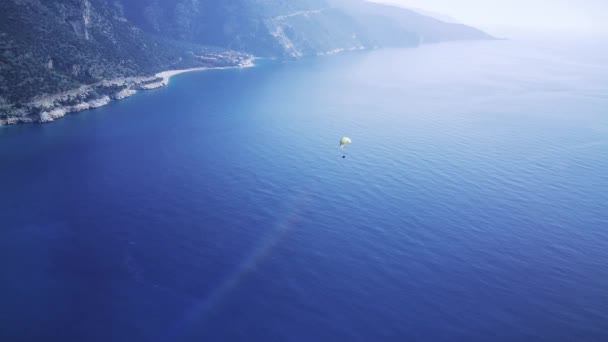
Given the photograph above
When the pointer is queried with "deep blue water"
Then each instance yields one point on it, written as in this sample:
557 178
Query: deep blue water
472 204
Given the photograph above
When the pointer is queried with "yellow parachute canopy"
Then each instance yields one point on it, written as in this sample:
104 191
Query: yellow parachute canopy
344 141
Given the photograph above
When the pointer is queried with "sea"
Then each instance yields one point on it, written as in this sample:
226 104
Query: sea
471 205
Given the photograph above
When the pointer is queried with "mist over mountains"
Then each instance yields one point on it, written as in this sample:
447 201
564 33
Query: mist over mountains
290 28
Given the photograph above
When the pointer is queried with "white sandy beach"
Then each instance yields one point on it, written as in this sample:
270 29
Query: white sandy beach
166 75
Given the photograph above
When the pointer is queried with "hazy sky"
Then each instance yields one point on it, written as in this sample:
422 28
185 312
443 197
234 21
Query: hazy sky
583 15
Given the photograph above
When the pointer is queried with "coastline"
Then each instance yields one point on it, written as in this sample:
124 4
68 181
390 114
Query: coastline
53 107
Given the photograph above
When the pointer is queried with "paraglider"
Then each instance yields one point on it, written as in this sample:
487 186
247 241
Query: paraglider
343 142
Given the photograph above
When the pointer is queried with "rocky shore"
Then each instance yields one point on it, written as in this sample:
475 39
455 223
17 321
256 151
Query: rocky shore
52 107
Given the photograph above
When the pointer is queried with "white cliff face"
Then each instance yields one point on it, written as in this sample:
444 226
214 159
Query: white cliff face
56 113
86 18
80 18
123 94
154 85
99 102
51 115
322 31
290 48
278 24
